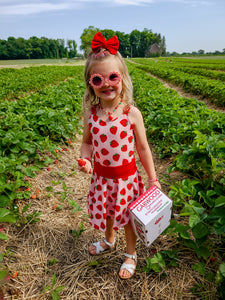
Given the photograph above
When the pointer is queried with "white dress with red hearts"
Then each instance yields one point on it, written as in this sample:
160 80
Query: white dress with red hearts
113 146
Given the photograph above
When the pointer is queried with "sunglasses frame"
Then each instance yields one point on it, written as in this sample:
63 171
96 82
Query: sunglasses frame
104 80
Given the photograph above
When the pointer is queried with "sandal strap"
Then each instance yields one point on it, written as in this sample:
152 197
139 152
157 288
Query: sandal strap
129 267
109 244
134 256
98 247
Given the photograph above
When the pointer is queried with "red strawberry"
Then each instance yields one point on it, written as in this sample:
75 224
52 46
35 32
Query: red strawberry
104 194
102 225
135 179
122 221
129 186
109 187
132 126
104 216
99 207
100 198
118 218
124 122
130 139
113 129
124 148
95 118
95 130
97 154
107 162
104 205
93 200
116 157
118 208
104 151
123 192
114 195
123 134
103 138
129 198
96 143
96 226
131 153
98 187
114 144
98 216
122 201
102 123
90 125
81 162
110 199
104 180
125 162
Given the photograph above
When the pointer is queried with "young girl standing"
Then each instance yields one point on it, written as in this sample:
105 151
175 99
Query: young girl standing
112 125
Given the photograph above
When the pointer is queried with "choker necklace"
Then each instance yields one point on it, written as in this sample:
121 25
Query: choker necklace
109 113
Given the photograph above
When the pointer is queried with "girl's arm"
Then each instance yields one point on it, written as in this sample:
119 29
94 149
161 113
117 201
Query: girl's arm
142 146
86 146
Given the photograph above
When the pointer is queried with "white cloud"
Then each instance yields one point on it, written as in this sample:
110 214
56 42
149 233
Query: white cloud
26 7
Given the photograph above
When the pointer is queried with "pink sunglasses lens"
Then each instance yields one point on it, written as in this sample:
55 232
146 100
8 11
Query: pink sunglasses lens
96 80
114 77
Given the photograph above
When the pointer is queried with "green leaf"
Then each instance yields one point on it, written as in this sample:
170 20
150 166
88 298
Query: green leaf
222 269
194 220
220 201
200 230
199 267
3 274
7 216
203 252
3 236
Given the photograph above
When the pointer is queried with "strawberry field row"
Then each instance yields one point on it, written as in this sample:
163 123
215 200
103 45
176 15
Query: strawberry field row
31 128
196 135
15 82
196 84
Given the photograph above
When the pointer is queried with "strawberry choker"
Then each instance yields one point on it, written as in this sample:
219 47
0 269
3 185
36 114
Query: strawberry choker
109 113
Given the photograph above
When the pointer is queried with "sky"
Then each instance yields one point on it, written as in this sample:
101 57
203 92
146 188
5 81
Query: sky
187 25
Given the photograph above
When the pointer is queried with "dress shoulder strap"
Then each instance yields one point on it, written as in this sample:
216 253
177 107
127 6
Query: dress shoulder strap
93 110
126 109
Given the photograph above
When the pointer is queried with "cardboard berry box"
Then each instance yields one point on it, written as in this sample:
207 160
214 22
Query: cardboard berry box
150 214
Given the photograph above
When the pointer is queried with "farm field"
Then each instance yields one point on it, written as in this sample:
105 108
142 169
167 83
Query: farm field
201 77
44 224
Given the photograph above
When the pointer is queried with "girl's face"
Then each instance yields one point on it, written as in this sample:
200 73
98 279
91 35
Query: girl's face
107 92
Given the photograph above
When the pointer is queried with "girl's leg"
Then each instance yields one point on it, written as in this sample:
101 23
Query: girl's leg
131 240
109 236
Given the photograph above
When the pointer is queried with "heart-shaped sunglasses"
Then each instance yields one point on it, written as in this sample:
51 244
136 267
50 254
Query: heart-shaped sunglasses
97 80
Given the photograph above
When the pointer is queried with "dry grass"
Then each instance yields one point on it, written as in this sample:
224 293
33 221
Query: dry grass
32 248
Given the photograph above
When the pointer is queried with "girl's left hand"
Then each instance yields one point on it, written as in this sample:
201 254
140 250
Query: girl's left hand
156 183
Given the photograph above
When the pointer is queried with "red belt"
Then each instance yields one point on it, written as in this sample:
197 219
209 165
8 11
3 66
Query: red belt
116 172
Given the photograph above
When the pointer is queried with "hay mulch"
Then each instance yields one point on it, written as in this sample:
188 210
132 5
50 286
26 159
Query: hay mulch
38 251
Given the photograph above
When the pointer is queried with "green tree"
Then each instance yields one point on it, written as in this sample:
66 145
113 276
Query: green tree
86 38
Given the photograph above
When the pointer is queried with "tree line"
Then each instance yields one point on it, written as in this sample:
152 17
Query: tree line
135 44
34 47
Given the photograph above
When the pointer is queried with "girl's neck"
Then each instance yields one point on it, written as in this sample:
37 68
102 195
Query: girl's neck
110 105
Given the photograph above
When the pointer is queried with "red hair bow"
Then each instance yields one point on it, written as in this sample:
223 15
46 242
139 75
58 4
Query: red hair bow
99 42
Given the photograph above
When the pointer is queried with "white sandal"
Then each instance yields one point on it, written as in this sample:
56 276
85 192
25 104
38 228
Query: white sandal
100 249
129 267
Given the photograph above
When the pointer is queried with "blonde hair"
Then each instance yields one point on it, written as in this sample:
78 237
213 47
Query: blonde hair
90 99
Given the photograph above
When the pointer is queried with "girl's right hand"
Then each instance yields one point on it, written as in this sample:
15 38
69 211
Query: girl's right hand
84 165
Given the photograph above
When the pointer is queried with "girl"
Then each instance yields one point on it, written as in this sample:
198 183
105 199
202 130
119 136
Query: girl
111 126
